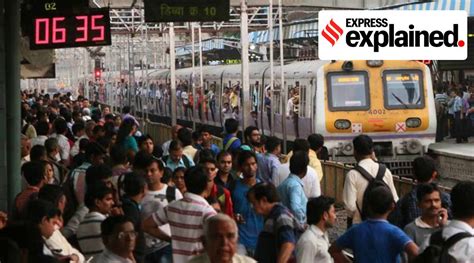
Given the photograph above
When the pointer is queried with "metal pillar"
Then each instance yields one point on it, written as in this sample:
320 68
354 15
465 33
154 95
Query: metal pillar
201 82
272 97
12 73
193 60
173 76
244 42
282 74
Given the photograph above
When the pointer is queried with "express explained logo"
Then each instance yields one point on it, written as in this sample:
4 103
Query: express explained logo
377 33
334 29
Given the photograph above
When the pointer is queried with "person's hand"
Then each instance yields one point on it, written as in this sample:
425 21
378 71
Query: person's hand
442 216
116 211
3 219
74 258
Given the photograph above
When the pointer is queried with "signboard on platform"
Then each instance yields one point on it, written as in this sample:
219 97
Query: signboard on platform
186 11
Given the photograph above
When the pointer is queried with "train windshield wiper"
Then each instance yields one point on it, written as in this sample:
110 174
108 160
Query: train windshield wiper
399 100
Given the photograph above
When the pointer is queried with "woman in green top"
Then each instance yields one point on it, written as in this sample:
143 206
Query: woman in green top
125 136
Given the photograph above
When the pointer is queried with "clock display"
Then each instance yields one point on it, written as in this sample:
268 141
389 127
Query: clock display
56 29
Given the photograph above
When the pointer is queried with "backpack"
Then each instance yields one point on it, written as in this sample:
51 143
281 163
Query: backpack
185 159
229 143
437 251
373 183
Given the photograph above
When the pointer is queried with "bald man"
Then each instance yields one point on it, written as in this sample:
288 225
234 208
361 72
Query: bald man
174 136
220 242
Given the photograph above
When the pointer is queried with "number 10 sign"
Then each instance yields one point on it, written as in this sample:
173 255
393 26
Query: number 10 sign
58 29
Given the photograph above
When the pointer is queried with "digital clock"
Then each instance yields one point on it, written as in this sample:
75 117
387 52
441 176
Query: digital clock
65 29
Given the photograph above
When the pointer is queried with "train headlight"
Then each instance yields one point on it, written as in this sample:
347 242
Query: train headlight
347 66
374 63
414 146
342 124
413 122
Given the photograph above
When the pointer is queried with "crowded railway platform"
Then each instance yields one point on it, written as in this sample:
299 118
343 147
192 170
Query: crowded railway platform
153 133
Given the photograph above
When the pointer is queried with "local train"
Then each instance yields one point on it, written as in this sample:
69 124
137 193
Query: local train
391 101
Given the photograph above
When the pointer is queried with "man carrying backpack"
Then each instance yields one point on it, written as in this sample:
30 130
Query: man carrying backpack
455 242
366 174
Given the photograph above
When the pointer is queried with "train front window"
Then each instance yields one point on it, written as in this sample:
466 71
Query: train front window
403 89
348 91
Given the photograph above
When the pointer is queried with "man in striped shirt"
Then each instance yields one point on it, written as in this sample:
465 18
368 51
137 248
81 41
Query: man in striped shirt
99 200
186 217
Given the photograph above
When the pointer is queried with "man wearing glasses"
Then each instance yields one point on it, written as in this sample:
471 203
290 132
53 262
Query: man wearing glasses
119 236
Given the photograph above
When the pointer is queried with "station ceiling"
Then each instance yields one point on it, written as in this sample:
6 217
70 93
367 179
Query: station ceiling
353 4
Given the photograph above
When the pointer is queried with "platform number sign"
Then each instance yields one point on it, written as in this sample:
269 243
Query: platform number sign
53 28
186 11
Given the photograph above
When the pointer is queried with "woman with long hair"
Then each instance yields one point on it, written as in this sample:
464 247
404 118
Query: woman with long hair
125 136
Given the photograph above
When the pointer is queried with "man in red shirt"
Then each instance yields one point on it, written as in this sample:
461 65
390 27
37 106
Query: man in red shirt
32 172
219 197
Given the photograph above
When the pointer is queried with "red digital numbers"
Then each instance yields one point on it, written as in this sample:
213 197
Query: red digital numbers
57 30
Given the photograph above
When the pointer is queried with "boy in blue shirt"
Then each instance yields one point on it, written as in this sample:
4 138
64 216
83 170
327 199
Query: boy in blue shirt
375 240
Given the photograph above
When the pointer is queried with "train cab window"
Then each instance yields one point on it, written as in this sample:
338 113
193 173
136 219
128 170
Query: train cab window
348 91
302 100
403 89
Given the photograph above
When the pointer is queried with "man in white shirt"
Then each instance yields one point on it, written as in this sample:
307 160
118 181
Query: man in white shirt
60 127
313 245
355 184
463 221
119 237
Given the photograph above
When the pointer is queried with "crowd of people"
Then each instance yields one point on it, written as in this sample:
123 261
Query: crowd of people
454 112
95 189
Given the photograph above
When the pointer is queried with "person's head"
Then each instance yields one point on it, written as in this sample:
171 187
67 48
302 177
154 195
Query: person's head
79 129
117 121
196 138
109 118
126 109
98 131
363 147
220 238
146 144
118 234
85 103
316 142
154 170
38 152
299 163
118 155
247 162
48 171
44 215
301 145
252 136
105 111
461 197
32 172
210 167
206 136
321 210
380 201
52 146
196 180
178 179
174 131
101 173
231 126
273 145
127 128
99 197
429 199
263 196
25 145
134 185
42 128
176 151
54 194
95 153
90 128
224 162
60 126
185 137
424 169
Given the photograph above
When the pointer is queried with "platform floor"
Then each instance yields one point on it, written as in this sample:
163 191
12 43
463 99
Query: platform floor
451 148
